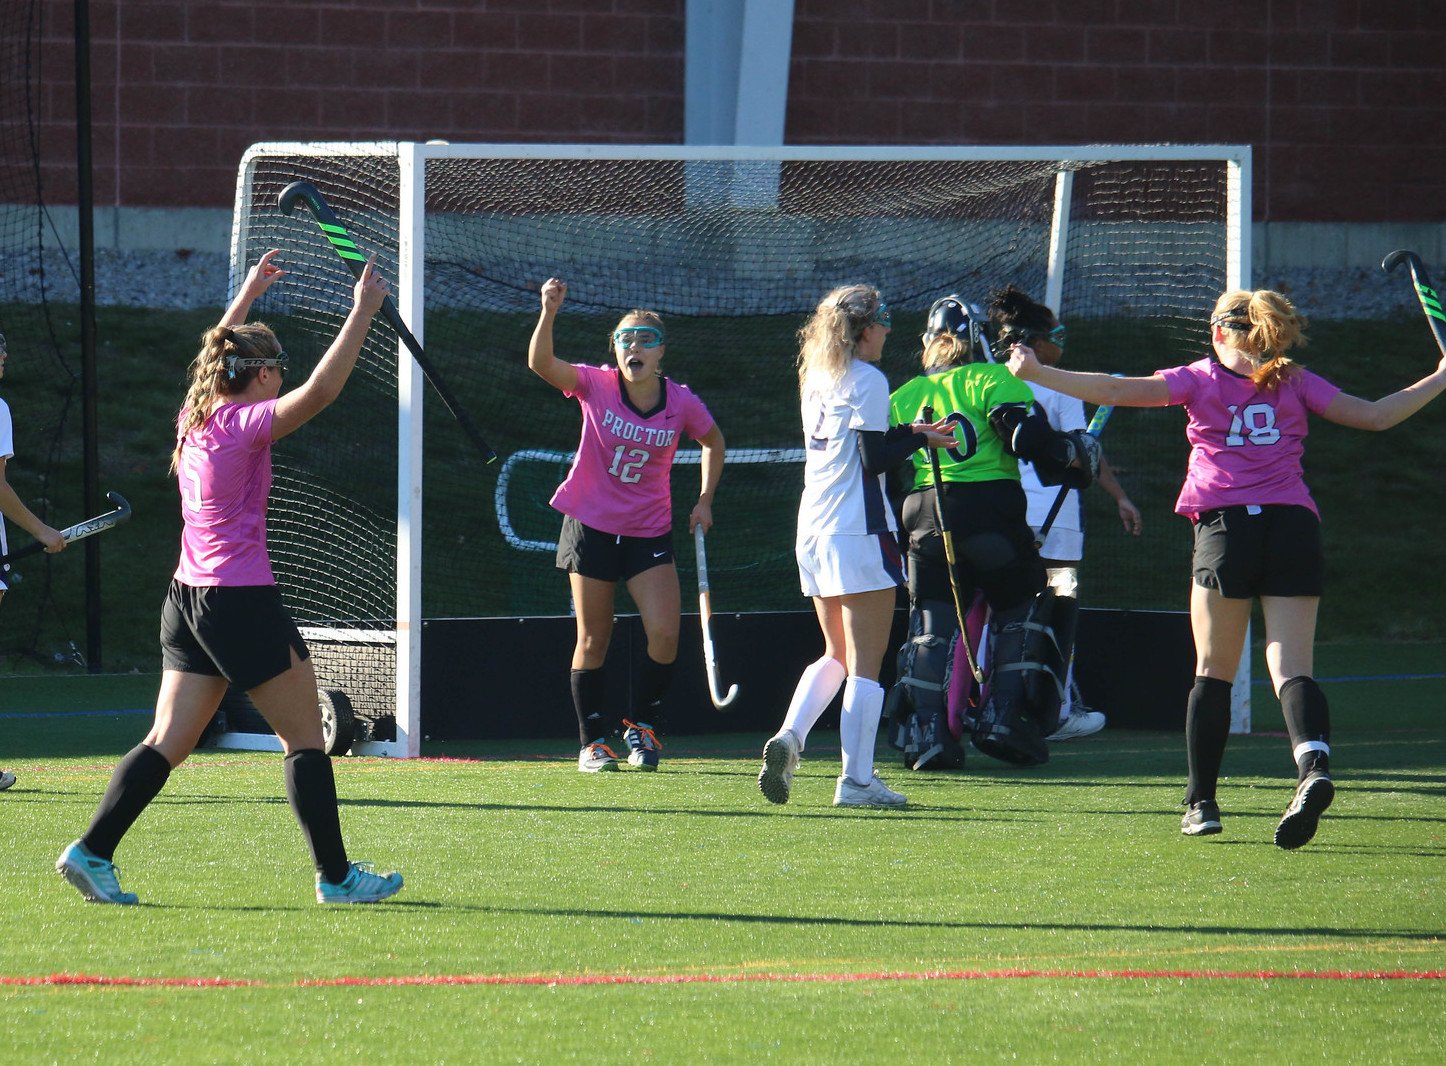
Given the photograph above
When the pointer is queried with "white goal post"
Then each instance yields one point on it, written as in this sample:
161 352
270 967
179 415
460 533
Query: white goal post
756 215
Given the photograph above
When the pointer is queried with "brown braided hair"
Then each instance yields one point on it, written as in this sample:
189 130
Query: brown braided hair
210 380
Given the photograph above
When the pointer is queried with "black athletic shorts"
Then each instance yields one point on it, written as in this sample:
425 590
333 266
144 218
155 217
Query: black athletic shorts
607 556
242 633
993 544
1273 550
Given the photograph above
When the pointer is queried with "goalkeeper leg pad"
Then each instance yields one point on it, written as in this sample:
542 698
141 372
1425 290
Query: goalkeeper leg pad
1026 683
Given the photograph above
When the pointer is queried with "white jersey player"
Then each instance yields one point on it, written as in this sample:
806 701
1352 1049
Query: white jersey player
847 546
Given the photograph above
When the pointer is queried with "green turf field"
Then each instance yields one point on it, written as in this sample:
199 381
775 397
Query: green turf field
1051 915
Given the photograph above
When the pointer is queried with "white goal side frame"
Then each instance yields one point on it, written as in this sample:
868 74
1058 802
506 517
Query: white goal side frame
412 158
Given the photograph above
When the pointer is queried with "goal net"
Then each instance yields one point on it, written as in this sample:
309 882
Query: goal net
384 515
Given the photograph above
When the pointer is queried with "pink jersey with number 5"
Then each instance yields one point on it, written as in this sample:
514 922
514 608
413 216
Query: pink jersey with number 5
619 481
1246 442
225 481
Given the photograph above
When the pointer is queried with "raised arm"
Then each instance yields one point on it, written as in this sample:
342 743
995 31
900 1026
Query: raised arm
540 360
713 452
300 406
1092 388
1348 410
258 279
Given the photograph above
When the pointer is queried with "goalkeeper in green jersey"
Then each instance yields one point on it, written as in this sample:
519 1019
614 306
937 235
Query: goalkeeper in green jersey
986 512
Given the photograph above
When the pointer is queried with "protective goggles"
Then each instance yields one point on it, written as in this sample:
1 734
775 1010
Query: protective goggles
882 316
1055 336
236 363
647 336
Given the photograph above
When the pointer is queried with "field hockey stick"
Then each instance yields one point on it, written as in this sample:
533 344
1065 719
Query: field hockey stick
1430 302
948 537
341 241
705 616
1094 429
89 528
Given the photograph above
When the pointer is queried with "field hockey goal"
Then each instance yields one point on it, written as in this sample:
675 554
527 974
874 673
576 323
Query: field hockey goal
385 517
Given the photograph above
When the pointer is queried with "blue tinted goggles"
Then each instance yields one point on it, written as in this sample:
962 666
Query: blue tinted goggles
647 336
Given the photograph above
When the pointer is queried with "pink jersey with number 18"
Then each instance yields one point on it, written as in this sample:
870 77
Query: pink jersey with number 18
619 481
1246 442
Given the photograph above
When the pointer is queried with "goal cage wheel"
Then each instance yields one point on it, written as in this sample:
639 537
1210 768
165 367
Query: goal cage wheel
338 721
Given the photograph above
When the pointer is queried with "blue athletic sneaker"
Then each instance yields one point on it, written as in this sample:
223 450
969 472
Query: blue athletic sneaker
359 885
643 745
6 779
95 878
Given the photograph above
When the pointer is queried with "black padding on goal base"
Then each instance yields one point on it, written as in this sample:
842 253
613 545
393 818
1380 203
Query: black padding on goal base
1136 666
486 678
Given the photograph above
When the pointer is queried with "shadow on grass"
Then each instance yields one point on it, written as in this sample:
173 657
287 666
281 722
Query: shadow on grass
1314 932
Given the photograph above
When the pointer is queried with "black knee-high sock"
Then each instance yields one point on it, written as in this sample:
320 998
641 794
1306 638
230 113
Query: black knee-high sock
1308 718
1207 727
311 788
589 699
136 780
653 681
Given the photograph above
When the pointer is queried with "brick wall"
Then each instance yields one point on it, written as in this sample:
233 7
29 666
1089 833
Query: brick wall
1343 99
182 87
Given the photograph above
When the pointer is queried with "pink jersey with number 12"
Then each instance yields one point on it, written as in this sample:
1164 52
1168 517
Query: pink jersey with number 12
619 481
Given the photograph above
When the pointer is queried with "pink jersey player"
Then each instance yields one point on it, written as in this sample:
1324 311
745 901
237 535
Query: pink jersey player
223 622
1246 442
619 481
1257 530
224 473
618 521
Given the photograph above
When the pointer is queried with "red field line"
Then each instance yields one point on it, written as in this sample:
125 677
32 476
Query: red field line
706 978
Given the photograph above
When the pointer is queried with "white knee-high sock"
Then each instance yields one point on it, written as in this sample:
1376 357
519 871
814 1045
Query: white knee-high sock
818 684
863 705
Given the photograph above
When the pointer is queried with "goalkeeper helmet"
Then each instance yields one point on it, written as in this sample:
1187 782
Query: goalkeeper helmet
952 315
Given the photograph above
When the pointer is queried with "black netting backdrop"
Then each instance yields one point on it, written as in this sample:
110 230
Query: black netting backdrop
734 255
41 385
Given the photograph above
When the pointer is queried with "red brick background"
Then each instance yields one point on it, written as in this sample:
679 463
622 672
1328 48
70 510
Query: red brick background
1342 99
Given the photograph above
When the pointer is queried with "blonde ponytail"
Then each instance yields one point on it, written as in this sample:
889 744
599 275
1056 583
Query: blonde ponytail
828 341
1264 325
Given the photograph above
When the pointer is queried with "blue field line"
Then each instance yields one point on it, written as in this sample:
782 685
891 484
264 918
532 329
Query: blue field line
75 714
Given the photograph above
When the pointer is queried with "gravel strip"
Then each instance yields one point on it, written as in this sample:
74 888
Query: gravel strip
199 279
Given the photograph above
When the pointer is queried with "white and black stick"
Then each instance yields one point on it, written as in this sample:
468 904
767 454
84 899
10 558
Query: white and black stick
1094 429
948 537
335 232
91 526
1425 292
705 616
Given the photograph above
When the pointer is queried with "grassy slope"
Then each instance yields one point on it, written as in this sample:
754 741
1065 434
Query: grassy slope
1379 494
519 866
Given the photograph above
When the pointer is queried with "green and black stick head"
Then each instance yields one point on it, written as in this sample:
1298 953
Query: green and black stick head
341 242
1425 292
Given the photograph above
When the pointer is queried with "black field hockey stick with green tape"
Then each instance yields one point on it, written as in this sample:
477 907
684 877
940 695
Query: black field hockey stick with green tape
1425 292
89 528
332 229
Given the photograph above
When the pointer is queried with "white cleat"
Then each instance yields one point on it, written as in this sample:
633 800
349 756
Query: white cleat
1079 724
780 759
875 794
